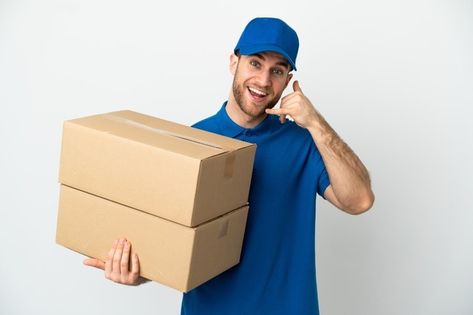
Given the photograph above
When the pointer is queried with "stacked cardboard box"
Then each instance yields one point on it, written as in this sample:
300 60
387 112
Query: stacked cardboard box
178 194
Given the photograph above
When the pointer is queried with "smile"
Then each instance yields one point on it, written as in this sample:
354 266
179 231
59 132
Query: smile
257 93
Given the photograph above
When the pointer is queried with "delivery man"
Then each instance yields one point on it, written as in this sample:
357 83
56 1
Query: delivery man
295 160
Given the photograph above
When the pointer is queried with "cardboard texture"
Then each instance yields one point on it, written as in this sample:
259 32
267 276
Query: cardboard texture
178 194
176 172
175 255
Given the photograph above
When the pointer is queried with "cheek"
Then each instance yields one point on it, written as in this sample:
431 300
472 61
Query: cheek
242 82
279 87
243 75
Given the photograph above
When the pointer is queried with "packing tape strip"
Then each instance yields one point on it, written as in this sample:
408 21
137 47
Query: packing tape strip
223 229
163 132
229 164
229 160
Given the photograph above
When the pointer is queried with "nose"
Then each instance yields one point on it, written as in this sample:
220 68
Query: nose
264 79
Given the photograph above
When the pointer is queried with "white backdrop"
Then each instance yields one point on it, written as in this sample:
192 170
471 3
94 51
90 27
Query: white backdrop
394 78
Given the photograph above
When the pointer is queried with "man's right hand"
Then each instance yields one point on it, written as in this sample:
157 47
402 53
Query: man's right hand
117 266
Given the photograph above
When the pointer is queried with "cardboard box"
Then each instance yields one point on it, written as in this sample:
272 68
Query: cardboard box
166 169
172 254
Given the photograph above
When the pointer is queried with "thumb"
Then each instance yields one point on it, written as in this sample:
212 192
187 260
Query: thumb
296 87
93 262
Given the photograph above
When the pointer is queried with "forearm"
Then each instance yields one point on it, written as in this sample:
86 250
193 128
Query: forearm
350 187
349 178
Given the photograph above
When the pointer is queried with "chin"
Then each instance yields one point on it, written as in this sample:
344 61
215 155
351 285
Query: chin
254 111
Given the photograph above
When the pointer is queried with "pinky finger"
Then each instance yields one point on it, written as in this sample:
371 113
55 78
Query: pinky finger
135 266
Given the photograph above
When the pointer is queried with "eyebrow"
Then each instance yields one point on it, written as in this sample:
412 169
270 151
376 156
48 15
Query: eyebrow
280 63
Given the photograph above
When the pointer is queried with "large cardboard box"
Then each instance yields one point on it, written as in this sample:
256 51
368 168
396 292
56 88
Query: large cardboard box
175 255
176 172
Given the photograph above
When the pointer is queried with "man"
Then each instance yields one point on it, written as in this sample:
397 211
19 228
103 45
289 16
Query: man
294 161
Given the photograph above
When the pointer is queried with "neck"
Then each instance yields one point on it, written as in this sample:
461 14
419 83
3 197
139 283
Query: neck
240 117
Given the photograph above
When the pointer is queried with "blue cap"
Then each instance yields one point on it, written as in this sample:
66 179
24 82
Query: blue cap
269 34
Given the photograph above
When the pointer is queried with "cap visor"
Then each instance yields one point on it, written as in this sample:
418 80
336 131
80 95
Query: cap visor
255 49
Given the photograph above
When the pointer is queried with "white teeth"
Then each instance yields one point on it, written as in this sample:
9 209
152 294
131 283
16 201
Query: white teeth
258 92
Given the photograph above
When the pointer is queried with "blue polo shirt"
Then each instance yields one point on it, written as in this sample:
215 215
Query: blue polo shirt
276 273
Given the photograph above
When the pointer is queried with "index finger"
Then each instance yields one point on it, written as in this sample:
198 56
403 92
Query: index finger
108 264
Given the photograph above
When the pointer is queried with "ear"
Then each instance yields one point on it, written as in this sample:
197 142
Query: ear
233 63
288 79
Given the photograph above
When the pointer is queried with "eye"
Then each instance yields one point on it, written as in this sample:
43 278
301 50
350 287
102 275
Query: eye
278 72
254 63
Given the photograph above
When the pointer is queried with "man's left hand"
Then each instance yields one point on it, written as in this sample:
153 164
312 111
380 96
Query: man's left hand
298 106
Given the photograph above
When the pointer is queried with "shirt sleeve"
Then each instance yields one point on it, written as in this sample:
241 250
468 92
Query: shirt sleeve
323 182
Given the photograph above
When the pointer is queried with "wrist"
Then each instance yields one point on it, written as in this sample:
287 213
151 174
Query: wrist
320 130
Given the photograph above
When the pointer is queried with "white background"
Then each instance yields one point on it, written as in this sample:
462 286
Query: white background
394 78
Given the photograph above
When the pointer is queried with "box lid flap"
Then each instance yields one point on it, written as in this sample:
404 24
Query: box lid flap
161 133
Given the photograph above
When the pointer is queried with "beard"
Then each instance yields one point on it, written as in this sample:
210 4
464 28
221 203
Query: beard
245 105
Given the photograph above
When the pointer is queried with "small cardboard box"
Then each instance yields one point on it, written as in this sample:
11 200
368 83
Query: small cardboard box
175 255
176 172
